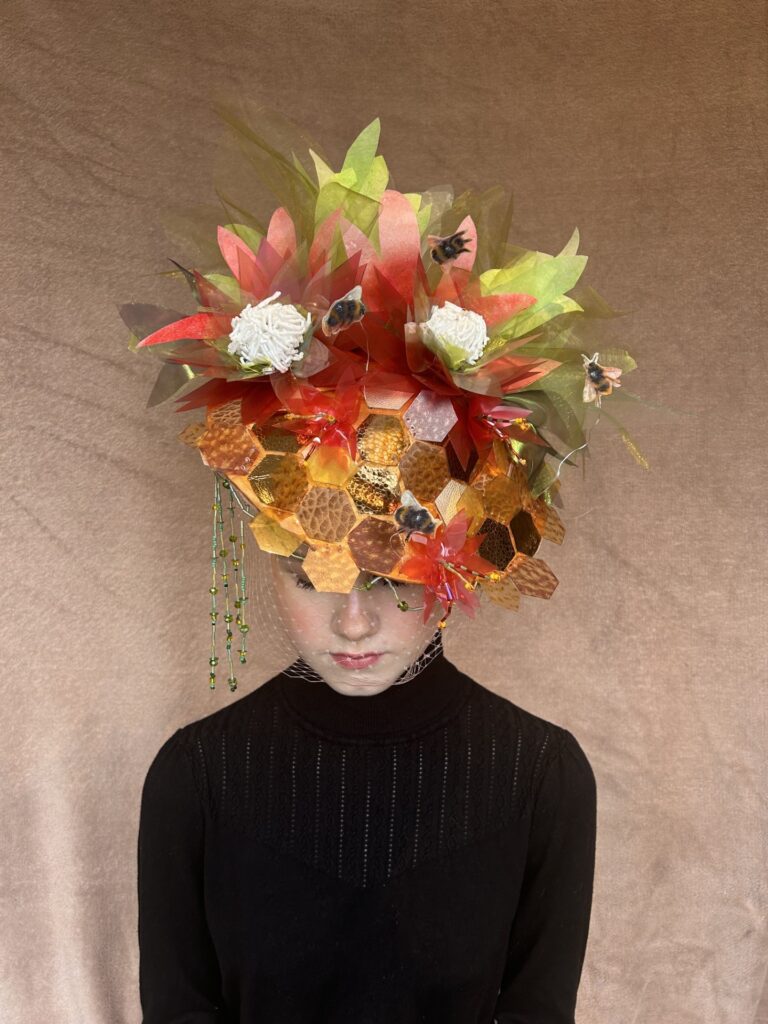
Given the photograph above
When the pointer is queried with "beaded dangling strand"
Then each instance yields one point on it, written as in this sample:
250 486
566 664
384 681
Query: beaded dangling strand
237 561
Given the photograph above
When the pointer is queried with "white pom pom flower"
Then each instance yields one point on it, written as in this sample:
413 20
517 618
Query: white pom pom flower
269 335
456 334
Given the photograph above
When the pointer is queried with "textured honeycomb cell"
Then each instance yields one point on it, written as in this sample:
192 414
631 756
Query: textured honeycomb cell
382 439
376 545
331 569
229 449
424 470
532 576
326 513
430 416
524 533
496 545
280 480
375 489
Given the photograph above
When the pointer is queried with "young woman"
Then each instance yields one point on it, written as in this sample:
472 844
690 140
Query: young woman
346 848
371 836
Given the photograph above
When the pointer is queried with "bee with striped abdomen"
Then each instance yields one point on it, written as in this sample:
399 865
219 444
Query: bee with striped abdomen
444 249
412 517
344 312
599 380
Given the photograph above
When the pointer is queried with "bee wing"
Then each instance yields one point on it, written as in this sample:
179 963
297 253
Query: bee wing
434 240
589 393
355 293
407 498
613 373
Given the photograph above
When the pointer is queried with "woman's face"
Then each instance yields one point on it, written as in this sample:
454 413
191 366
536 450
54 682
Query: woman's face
358 642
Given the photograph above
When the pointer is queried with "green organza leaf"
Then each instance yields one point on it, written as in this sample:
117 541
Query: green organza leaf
323 171
226 284
376 180
250 236
530 319
546 277
361 154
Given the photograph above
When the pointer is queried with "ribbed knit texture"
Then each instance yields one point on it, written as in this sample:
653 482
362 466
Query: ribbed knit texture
296 783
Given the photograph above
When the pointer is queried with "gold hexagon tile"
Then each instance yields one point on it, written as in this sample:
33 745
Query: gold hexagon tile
502 497
280 480
281 441
532 576
378 396
502 592
227 415
331 568
192 433
271 537
424 470
548 522
326 513
382 439
471 502
430 416
376 545
524 533
447 501
232 449
496 545
374 489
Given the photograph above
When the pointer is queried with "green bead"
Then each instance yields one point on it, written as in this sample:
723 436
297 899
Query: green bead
244 628
238 603
242 657
212 680
228 617
223 553
225 576
403 606
214 616
213 661
232 683
235 563
213 590
230 634
232 538
225 483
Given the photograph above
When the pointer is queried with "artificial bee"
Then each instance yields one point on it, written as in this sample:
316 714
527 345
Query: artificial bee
412 517
599 380
448 248
344 312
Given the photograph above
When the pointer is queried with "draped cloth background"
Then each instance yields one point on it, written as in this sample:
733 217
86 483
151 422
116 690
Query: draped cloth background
641 123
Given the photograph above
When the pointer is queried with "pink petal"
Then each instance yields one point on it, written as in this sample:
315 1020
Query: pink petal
399 242
281 233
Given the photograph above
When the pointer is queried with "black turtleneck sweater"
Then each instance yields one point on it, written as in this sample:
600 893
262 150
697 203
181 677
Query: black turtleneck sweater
425 854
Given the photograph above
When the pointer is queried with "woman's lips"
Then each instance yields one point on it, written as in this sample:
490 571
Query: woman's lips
356 660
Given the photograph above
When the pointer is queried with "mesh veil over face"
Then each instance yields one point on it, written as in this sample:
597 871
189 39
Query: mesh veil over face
302 626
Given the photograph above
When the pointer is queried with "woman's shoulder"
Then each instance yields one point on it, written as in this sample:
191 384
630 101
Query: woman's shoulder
240 713
542 737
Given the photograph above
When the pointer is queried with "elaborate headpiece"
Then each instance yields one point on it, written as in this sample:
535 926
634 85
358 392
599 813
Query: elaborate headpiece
389 385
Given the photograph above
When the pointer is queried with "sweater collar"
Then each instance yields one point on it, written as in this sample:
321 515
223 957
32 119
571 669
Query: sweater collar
402 711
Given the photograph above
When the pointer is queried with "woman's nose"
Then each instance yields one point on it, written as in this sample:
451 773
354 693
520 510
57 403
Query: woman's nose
355 618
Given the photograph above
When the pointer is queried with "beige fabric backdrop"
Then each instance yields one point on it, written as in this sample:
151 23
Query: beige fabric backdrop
641 123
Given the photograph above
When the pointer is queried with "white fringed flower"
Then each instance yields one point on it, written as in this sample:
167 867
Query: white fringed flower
268 333
455 333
